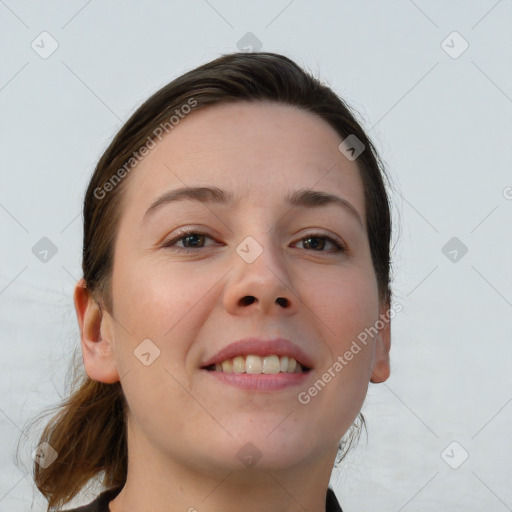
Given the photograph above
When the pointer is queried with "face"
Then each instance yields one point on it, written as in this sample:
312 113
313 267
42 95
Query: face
257 267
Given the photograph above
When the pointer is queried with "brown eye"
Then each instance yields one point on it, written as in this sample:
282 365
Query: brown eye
190 240
194 240
317 243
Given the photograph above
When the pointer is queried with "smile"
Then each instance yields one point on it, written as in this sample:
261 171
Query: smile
253 364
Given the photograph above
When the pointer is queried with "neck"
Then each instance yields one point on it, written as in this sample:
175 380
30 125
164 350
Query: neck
165 484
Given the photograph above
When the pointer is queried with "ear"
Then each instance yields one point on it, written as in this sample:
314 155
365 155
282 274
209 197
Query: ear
97 336
381 367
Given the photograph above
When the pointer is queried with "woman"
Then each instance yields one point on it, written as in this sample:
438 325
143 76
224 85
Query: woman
235 300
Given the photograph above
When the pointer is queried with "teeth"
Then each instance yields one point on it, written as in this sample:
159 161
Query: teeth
239 364
256 365
226 366
271 364
253 364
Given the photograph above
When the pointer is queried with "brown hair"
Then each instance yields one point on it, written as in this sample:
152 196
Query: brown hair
88 433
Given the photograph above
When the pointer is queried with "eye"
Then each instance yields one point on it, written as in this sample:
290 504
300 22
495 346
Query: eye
191 239
317 242
196 240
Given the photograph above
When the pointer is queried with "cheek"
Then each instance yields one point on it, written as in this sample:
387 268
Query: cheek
346 307
155 297
154 303
346 302
164 304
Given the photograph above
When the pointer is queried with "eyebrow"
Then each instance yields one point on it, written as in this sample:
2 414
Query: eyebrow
305 198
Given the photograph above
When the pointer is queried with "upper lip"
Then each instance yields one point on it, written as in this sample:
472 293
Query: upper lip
260 347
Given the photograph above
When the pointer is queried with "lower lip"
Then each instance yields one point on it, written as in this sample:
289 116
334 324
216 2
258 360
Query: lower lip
261 381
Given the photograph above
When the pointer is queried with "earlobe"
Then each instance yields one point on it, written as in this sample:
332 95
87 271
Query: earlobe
96 335
381 366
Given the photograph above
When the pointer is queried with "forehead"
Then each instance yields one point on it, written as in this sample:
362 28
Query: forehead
260 151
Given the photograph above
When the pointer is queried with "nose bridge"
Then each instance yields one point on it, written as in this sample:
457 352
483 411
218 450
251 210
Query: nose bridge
261 256
259 249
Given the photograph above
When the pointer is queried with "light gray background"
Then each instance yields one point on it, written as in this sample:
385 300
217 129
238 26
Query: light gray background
443 126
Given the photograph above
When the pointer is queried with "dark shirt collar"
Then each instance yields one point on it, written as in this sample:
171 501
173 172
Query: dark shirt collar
331 502
100 504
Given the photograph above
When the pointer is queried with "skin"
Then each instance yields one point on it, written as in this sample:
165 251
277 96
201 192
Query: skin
184 427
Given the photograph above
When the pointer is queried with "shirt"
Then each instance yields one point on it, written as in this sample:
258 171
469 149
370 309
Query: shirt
100 504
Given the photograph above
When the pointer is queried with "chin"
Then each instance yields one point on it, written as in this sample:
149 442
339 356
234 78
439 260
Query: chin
272 449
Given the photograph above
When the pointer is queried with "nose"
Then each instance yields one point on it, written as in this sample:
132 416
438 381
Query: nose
261 286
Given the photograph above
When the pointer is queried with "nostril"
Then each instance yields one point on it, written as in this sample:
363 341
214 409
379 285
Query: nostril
247 300
282 301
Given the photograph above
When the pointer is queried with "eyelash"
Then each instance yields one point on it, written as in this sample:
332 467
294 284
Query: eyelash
340 247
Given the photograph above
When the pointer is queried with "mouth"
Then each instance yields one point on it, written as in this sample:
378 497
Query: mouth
272 364
260 365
